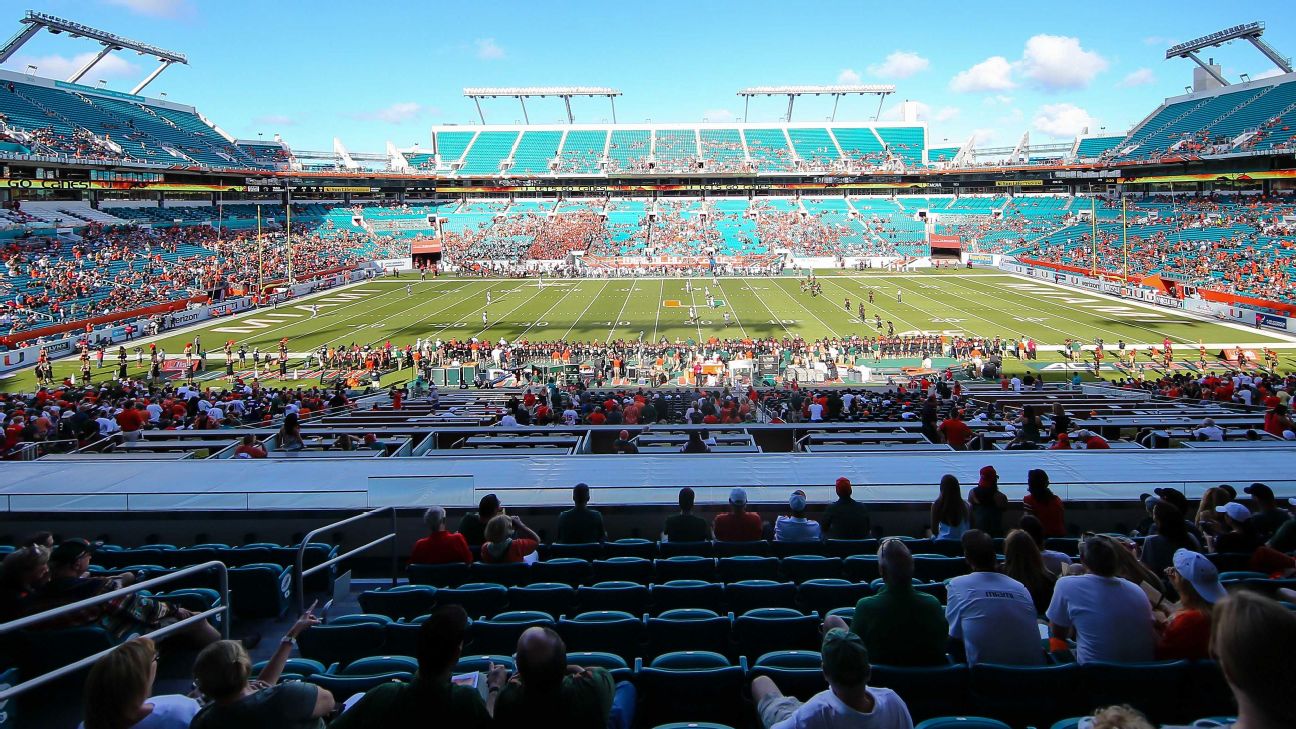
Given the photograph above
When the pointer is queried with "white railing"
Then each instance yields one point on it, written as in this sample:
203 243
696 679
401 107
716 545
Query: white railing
73 608
300 574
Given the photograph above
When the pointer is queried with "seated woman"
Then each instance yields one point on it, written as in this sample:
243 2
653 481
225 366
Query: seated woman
223 670
118 688
501 547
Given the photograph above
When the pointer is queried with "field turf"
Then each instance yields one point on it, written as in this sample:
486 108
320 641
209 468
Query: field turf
980 303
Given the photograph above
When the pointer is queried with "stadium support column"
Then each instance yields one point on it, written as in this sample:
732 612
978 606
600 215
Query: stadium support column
1093 220
288 242
567 102
480 115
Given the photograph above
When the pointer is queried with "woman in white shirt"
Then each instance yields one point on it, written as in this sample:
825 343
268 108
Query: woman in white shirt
118 687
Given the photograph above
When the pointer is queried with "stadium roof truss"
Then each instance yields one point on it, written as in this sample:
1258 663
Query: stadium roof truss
522 93
835 91
1249 32
35 22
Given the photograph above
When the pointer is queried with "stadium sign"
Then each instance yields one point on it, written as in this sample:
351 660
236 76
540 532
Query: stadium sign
1019 183
1085 174
1271 321
696 187
26 184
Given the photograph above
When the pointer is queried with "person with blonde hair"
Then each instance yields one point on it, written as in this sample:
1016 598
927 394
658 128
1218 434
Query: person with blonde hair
223 673
1254 639
118 687
1116 717
1207 517
501 546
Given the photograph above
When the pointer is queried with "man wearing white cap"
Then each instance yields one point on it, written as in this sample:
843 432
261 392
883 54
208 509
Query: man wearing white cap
1239 534
1186 635
738 524
796 528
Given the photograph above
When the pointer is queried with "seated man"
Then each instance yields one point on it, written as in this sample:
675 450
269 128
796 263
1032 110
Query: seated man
900 626
796 528
122 617
440 546
849 700
991 613
431 693
686 526
580 524
1111 617
568 696
846 518
738 524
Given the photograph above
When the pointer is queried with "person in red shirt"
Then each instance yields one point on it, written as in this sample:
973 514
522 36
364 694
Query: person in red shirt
1091 440
597 417
440 546
1044 504
249 448
501 546
131 421
738 524
1186 634
955 432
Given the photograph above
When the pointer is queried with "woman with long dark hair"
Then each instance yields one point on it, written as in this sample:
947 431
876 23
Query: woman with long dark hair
949 513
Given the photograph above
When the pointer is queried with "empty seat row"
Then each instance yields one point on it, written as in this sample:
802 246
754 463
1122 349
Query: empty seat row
576 571
256 590
557 598
830 547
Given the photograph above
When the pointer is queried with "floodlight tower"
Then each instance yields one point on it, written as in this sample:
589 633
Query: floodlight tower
36 22
1249 32
522 93
837 92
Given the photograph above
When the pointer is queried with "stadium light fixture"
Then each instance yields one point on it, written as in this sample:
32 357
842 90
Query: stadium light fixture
521 93
837 91
1249 32
36 22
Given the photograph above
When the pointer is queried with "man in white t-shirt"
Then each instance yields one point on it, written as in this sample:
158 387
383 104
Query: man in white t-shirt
992 613
1111 617
849 702
1209 431
816 412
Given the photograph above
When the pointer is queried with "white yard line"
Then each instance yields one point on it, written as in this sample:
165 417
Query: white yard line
661 293
697 320
429 316
864 293
587 307
773 317
615 322
807 310
731 307
568 292
504 318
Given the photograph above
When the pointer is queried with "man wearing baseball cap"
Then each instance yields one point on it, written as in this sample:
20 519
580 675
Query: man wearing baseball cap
1186 635
1239 534
738 524
846 518
1266 515
796 528
849 700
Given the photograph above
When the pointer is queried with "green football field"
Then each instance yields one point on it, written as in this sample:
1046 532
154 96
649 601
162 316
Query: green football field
979 303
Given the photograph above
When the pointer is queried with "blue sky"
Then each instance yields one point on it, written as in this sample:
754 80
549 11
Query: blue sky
388 70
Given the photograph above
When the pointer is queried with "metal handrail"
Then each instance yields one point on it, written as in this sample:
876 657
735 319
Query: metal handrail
14 625
300 574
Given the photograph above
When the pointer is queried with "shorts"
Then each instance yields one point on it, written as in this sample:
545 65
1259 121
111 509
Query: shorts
773 709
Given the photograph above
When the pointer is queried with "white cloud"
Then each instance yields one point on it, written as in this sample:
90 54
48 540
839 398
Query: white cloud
488 49
848 76
61 67
1160 40
992 74
155 8
1140 77
946 113
282 120
1054 62
900 64
1063 120
401 111
1267 74
718 115
984 135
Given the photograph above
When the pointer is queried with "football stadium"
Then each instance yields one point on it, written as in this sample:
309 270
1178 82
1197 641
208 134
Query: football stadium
360 370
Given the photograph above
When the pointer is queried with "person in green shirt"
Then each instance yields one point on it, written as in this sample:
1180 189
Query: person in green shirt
431 694
546 688
899 625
